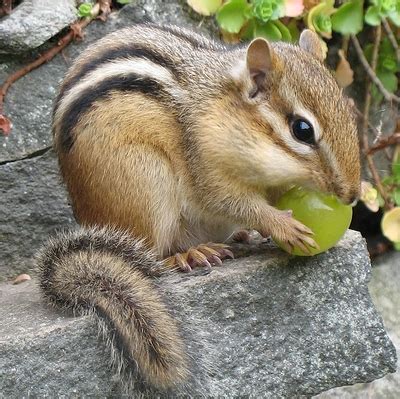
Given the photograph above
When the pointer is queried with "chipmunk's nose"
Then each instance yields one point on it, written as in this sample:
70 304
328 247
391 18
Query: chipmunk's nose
347 197
353 198
353 201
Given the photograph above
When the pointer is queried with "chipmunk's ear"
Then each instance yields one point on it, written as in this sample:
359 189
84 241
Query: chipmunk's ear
260 61
309 41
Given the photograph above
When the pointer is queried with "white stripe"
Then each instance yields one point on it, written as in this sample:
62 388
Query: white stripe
120 68
280 125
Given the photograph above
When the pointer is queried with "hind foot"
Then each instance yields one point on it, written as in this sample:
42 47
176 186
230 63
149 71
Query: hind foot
204 255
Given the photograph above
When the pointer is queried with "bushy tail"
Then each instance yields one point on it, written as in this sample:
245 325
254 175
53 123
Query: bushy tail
108 273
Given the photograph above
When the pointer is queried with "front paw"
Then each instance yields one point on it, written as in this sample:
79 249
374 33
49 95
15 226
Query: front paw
291 233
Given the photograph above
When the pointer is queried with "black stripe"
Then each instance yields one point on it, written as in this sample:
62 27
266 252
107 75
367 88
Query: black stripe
113 55
87 98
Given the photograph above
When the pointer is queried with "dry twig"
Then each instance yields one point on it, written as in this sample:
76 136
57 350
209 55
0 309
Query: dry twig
371 71
392 38
384 142
74 32
367 106
105 8
6 7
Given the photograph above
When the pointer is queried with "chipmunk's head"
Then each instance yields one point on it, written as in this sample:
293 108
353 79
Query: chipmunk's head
302 129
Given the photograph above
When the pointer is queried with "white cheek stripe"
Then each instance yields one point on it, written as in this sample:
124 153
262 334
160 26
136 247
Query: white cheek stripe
279 124
281 168
118 68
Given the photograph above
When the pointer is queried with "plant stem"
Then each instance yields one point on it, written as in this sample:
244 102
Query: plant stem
384 142
391 37
75 31
6 7
367 106
371 71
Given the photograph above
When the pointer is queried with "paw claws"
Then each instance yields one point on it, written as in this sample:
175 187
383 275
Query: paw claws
311 243
303 247
226 253
216 260
293 233
287 247
180 261
204 255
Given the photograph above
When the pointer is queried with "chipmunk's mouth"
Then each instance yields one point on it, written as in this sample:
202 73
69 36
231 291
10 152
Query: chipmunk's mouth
346 196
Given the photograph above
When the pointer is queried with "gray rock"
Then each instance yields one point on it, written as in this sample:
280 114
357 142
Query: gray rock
34 22
33 204
384 288
267 326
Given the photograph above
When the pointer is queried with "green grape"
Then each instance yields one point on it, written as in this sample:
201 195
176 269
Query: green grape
324 214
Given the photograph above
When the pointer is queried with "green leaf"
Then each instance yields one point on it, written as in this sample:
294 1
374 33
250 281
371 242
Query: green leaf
279 11
266 10
203 7
396 169
390 224
85 10
387 6
396 246
389 64
387 57
368 50
372 16
388 79
318 18
396 196
285 32
247 33
268 31
294 30
386 47
395 16
381 201
323 23
388 180
124 1
348 19
232 15
377 96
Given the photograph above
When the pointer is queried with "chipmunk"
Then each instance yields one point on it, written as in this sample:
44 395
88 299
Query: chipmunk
166 141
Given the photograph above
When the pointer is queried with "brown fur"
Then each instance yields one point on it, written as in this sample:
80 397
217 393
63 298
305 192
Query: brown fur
112 285
112 194
202 155
179 140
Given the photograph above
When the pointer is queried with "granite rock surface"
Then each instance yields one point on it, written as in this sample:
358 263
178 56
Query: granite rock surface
266 325
34 22
385 293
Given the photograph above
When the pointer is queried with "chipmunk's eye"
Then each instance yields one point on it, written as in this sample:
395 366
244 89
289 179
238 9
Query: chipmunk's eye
303 131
